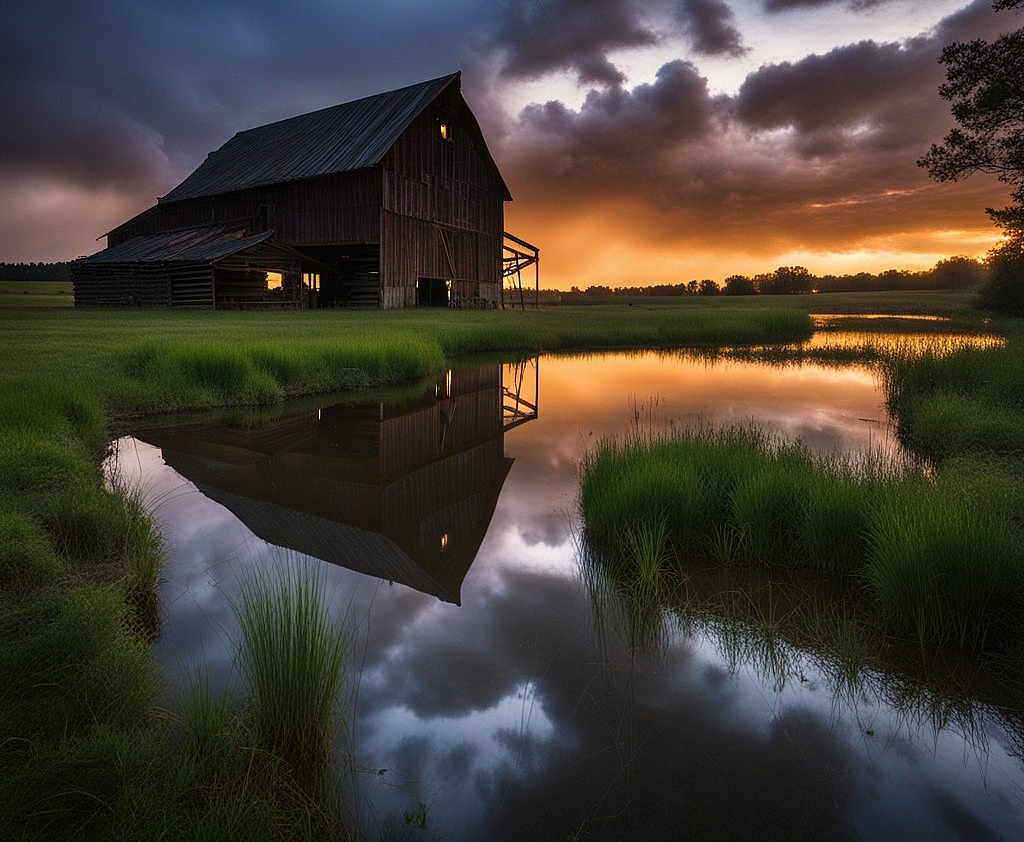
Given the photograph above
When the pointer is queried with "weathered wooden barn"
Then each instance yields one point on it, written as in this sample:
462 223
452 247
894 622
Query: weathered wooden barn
389 201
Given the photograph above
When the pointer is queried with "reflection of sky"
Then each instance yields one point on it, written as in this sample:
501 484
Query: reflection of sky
514 717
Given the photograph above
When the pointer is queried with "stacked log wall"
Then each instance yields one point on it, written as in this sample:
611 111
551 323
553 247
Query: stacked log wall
143 284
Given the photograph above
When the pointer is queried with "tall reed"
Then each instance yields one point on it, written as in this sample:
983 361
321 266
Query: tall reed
292 657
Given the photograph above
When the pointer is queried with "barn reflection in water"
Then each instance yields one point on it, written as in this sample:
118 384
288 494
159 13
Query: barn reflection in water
400 490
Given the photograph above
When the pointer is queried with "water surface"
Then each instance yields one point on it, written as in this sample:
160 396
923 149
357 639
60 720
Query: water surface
492 682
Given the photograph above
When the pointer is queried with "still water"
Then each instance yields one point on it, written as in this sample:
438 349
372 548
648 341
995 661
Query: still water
489 690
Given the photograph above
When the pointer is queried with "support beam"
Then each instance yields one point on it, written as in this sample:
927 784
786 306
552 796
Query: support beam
518 255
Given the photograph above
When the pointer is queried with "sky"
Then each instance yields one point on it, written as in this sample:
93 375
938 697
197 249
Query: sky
643 141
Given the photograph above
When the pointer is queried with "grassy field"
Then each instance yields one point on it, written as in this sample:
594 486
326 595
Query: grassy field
85 749
139 360
36 294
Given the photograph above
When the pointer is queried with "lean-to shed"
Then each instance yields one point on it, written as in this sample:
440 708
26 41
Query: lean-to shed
389 201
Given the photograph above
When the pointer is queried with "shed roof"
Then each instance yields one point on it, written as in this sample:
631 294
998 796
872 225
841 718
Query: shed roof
333 140
206 244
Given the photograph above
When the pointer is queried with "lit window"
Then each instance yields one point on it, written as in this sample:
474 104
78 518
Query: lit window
445 132
274 280
444 542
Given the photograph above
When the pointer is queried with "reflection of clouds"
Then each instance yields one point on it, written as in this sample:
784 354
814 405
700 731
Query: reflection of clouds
961 820
547 529
440 672
577 408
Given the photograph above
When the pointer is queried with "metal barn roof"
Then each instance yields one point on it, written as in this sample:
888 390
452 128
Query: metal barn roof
206 245
333 140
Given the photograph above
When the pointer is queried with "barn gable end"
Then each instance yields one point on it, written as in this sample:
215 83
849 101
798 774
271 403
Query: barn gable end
389 201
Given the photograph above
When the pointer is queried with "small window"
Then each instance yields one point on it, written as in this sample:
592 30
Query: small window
446 132
274 280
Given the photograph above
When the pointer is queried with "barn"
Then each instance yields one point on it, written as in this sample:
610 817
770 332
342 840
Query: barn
389 201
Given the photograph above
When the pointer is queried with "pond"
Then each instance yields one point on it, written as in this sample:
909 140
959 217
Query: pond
492 691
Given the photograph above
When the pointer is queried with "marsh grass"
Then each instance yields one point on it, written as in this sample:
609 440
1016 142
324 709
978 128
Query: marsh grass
316 365
292 659
969 401
944 569
939 564
648 549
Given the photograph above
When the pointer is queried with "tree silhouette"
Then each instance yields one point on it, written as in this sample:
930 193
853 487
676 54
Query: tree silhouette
985 88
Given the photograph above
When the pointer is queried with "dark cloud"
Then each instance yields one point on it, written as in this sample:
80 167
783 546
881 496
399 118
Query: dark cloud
540 37
709 23
838 89
615 128
785 5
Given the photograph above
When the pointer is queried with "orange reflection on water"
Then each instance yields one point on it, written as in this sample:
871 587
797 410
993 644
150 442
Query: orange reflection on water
829 408
903 344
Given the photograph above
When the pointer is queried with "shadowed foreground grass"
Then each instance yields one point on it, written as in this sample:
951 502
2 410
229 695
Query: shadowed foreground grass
292 660
262 770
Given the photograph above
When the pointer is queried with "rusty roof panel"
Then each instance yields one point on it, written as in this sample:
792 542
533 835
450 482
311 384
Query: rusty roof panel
333 140
204 245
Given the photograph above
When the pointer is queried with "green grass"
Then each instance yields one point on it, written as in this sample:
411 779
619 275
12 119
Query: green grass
260 770
292 660
21 294
945 569
150 360
938 563
971 401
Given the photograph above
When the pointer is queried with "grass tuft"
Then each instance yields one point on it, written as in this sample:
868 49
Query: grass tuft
292 661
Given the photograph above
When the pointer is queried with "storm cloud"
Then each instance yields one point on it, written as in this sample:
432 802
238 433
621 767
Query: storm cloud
711 27
577 35
785 5
813 154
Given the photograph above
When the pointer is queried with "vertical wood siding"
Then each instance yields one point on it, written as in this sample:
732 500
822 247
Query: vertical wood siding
342 208
442 208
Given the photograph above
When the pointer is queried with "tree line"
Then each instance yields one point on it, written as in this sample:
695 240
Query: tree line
35 271
953 273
